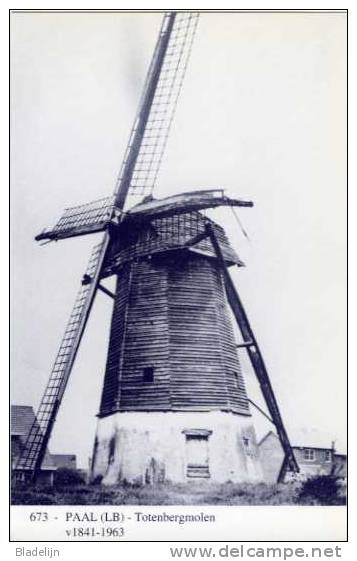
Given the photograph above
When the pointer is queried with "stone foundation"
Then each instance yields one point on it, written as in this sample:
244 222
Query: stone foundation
150 447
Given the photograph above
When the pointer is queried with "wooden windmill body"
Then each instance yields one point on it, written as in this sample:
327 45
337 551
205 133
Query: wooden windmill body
173 405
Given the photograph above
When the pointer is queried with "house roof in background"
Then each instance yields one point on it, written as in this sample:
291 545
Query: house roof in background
22 419
270 434
314 438
306 438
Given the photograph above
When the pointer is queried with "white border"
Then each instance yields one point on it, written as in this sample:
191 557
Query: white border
160 550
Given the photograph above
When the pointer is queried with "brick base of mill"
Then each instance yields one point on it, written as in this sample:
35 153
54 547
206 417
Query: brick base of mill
150 447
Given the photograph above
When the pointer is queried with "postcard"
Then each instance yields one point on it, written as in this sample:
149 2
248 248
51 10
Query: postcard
179 329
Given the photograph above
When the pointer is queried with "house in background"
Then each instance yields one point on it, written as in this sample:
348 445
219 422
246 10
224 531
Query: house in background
340 465
69 461
313 458
22 419
64 461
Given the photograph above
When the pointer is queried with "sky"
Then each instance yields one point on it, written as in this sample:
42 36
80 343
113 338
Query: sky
262 114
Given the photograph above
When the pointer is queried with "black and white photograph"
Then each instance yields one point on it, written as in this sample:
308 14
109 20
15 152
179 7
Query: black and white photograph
178 272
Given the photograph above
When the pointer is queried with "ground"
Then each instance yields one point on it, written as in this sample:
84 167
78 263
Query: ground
325 492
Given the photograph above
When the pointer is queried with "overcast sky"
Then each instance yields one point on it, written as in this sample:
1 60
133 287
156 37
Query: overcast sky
262 114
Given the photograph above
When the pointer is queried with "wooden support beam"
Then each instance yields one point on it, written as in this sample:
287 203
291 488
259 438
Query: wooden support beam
255 356
284 469
260 410
196 239
245 344
106 291
61 234
183 203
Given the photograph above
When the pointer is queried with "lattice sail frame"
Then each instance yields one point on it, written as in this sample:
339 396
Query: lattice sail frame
81 219
163 106
36 442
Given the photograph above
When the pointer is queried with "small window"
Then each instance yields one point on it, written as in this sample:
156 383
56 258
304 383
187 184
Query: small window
247 446
309 455
328 456
236 379
148 374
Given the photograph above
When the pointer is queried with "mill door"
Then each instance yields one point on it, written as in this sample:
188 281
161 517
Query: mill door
197 455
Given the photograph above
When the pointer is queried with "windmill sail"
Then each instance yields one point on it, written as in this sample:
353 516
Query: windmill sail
137 176
80 220
40 431
157 106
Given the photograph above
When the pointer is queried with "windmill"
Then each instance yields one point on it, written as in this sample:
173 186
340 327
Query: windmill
173 404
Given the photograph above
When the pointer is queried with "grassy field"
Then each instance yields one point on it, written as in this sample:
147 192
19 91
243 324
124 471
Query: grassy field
322 491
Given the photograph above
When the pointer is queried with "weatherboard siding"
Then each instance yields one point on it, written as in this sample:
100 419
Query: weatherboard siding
111 388
171 314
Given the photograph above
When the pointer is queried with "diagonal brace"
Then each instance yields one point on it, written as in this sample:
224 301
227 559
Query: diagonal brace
260 410
256 358
87 280
106 291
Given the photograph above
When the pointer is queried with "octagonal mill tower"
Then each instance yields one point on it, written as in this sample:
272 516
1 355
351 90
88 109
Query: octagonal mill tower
174 404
